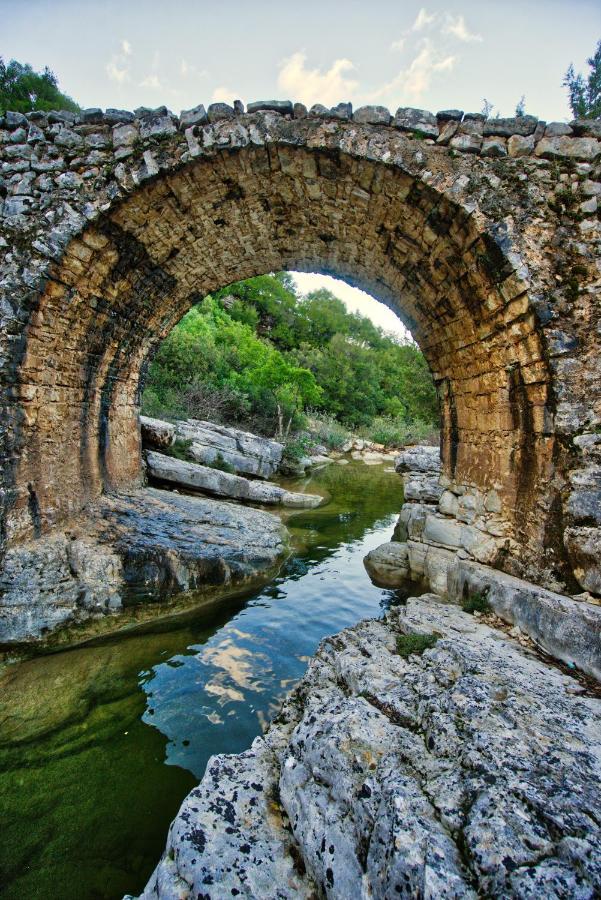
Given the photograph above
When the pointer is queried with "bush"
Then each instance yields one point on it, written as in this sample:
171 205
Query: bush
297 447
475 603
220 463
179 449
396 432
406 644
327 430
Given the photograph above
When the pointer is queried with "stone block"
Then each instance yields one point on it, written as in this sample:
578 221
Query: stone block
372 115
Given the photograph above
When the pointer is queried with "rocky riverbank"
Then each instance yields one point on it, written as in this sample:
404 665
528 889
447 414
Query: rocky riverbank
472 769
132 556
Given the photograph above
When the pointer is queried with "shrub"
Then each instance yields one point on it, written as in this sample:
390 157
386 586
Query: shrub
220 463
297 447
394 431
327 430
475 603
406 644
179 449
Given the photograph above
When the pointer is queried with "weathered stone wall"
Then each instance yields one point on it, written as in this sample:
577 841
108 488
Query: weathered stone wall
481 235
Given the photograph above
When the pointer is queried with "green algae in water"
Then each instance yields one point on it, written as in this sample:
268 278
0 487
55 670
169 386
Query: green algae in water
100 744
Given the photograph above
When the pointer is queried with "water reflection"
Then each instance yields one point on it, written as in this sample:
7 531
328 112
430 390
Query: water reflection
85 735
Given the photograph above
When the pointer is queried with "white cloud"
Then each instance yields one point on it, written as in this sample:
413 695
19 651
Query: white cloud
410 85
188 70
423 20
152 81
459 29
224 94
354 299
117 68
314 86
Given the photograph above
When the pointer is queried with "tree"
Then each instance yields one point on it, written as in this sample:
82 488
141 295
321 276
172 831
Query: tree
22 89
585 94
520 107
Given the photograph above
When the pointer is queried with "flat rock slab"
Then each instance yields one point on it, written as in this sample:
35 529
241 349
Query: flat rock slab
147 545
192 476
471 770
248 454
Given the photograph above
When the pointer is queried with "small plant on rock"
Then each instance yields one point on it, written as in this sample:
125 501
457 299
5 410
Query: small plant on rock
475 603
408 644
223 465
179 449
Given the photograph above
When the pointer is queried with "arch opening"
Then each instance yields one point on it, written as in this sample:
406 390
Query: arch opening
124 281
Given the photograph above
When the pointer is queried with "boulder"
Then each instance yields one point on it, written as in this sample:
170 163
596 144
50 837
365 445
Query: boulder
420 458
388 564
473 769
567 629
144 546
222 484
248 454
156 433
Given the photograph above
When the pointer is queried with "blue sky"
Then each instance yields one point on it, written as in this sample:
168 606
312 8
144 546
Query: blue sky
128 53
433 55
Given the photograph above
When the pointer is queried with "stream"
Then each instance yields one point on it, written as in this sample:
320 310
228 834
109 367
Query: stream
100 744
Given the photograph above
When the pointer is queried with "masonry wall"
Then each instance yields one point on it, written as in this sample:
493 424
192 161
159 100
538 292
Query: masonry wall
482 236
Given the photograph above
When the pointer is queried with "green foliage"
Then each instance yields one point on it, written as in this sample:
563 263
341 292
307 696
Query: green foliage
22 89
520 107
396 431
475 603
297 447
585 93
328 431
220 463
179 449
257 354
407 644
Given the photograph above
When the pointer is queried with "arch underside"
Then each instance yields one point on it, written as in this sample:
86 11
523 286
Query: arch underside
125 281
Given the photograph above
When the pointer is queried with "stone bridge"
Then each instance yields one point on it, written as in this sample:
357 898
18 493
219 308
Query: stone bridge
482 235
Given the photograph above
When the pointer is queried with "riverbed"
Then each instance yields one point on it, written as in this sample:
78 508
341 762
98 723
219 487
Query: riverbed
100 744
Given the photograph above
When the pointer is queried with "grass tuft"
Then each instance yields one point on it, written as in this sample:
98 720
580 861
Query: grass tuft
407 644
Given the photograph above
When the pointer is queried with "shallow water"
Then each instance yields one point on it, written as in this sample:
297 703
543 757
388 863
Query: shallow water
100 744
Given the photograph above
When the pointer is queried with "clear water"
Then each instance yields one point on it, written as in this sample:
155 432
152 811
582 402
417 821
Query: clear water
100 744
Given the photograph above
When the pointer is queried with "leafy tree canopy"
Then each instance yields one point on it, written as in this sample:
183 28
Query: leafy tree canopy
258 352
22 89
585 93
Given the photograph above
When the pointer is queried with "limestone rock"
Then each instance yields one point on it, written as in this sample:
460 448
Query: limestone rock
567 629
388 564
372 115
409 119
221 484
284 107
156 433
132 548
420 458
248 453
564 147
421 487
522 125
450 774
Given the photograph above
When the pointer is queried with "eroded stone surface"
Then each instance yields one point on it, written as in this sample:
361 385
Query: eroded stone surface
471 770
191 476
249 454
136 547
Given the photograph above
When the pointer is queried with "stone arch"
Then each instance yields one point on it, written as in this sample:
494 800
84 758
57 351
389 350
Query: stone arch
143 219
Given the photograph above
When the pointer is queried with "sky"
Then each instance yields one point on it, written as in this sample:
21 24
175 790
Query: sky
437 55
